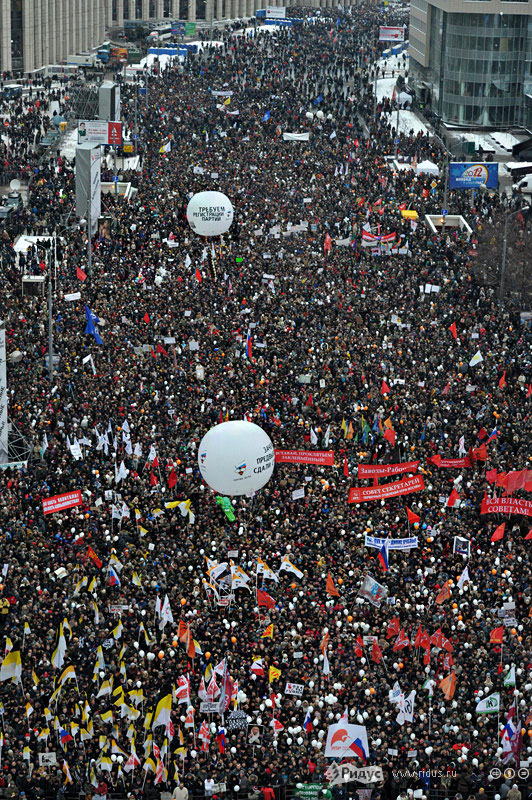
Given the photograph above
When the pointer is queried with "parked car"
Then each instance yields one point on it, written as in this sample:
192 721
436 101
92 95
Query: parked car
13 199
11 92
6 212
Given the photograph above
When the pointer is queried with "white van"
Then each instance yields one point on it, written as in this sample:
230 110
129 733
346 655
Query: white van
525 184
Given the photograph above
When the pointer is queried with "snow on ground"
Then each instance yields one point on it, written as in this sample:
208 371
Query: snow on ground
505 140
69 144
409 121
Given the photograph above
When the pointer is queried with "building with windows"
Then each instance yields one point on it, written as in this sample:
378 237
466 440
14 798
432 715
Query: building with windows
38 32
471 60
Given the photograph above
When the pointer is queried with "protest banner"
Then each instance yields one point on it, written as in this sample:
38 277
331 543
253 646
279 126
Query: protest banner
406 486
60 502
506 505
393 544
386 470
323 457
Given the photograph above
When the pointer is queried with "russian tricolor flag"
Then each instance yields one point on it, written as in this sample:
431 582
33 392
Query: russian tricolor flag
308 723
358 749
383 556
493 435
114 580
249 342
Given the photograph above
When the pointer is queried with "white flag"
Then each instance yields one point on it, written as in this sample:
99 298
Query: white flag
464 578
489 705
477 358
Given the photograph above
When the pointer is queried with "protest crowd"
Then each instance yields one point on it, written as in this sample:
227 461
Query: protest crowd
338 324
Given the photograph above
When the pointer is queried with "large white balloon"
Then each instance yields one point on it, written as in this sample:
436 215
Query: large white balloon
210 213
236 458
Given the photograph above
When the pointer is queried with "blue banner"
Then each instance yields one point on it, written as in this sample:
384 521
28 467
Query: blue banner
468 175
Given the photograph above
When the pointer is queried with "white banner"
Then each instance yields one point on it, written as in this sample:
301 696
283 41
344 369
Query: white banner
345 740
294 688
345 773
393 544
275 12
296 137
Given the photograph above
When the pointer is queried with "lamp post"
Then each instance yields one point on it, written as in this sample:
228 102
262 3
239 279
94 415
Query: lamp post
50 322
504 247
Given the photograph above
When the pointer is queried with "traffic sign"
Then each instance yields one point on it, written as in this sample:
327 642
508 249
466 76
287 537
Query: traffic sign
433 184
396 141
128 148
143 90
444 212
135 136
115 178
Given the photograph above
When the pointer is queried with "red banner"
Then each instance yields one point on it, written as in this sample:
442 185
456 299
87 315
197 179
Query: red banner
406 486
506 505
385 470
60 502
449 463
322 457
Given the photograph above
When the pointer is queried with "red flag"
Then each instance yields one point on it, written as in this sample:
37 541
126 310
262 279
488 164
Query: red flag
197 275
393 627
154 480
80 275
496 635
385 389
330 587
452 328
155 463
491 475
446 390
152 351
498 533
480 453
359 646
93 557
376 652
346 467
310 401
160 349
411 516
528 390
437 638
401 642
426 657
402 207
389 435
172 479
482 433
419 634
264 599
146 318
436 460
529 534
453 497
502 380
328 243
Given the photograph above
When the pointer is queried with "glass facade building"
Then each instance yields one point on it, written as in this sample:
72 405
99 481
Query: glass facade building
472 66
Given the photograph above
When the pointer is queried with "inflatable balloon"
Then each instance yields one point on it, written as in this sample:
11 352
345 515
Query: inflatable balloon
236 458
210 213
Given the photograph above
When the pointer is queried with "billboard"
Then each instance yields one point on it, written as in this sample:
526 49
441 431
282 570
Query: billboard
388 34
88 161
98 131
275 12
466 175
178 28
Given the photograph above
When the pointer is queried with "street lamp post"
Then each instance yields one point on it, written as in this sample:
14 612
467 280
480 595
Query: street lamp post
50 321
504 247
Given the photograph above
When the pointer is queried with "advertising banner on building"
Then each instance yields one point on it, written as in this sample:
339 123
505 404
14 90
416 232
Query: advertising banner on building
390 34
99 131
464 175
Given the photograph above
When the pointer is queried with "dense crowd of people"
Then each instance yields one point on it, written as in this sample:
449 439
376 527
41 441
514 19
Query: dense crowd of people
325 343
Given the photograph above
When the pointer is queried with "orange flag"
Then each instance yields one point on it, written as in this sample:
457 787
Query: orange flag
448 685
443 594
350 432
324 642
331 588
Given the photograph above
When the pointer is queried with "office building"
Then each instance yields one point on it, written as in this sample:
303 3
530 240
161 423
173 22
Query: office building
471 61
38 32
